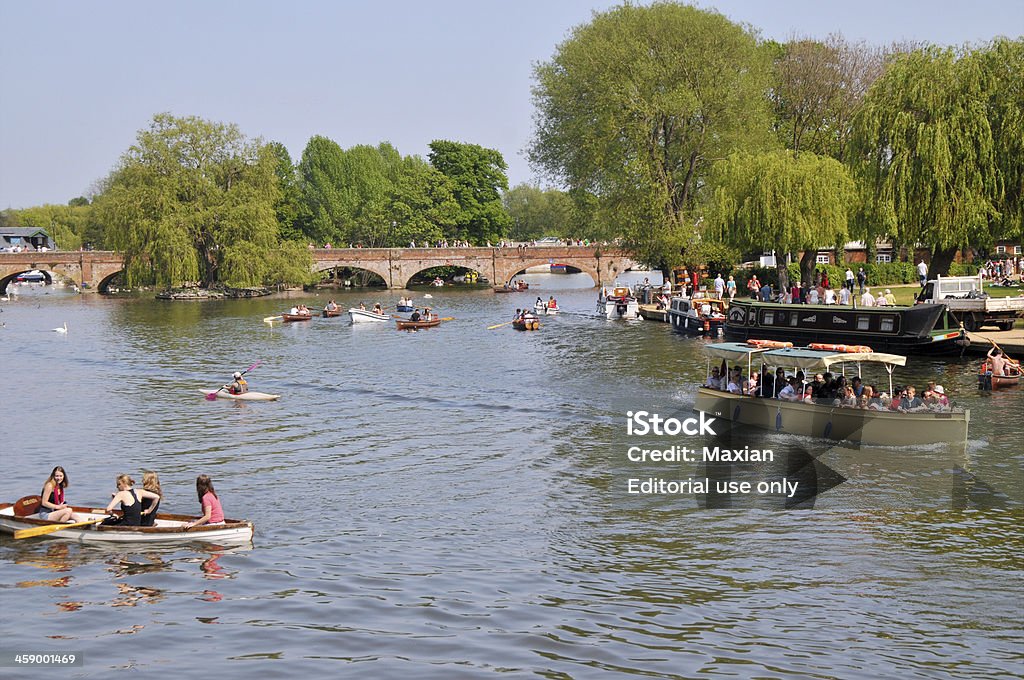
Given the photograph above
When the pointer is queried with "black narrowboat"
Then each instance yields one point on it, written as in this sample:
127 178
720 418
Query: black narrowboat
922 329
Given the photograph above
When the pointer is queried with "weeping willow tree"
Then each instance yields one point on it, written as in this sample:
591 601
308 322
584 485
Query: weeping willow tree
194 201
784 202
937 147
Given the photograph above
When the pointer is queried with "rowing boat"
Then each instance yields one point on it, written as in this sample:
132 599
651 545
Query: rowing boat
363 316
405 308
328 313
405 324
245 396
526 325
167 528
288 318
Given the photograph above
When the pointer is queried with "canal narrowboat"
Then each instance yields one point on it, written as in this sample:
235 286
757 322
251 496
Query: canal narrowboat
922 329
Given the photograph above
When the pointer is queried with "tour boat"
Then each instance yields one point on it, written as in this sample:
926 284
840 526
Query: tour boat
167 528
687 316
619 304
559 268
244 396
921 329
366 316
406 325
828 421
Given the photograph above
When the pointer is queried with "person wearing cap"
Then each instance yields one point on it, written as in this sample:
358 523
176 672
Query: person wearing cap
238 386
890 299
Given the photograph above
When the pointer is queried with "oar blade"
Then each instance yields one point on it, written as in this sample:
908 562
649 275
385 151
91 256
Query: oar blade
211 396
51 528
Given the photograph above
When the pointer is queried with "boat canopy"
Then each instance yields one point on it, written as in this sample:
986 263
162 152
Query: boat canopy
798 357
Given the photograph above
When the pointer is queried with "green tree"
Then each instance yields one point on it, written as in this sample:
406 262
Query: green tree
289 204
635 108
67 225
783 202
937 147
536 212
320 181
192 200
422 207
477 179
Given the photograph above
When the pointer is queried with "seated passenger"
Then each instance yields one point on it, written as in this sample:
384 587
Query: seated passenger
713 381
910 400
735 382
750 385
790 391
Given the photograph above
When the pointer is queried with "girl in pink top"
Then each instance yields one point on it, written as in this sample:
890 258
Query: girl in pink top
212 512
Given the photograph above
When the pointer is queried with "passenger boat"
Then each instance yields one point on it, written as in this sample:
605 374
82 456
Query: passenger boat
167 528
619 304
687 316
559 268
987 381
921 329
244 396
289 318
526 324
365 316
330 313
828 421
406 325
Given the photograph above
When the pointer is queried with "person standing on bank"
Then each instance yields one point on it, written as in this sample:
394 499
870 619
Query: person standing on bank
212 511
52 507
922 272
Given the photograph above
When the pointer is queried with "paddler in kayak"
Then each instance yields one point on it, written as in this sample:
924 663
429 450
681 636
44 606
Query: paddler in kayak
238 385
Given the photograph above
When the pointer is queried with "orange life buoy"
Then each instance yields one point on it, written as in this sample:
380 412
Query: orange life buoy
775 344
831 347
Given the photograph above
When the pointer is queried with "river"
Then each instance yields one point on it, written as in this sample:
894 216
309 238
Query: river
453 503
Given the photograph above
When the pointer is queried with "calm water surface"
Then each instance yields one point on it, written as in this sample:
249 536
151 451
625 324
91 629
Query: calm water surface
452 503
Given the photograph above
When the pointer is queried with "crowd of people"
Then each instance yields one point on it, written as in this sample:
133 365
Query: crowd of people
138 507
826 389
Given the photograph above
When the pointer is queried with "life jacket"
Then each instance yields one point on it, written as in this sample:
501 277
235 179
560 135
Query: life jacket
240 387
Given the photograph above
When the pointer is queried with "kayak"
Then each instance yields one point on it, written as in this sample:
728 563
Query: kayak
362 316
245 396
167 528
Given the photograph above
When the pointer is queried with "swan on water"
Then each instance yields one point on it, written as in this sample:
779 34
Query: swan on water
63 329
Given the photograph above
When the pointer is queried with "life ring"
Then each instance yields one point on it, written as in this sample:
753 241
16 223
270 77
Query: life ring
774 344
831 347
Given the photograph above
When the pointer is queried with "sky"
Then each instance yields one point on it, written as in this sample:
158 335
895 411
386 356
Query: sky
79 80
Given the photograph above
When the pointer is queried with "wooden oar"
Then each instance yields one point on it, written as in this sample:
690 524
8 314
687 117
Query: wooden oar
448 318
272 319
39 531
498 325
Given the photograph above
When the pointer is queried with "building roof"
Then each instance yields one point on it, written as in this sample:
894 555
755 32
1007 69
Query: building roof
22 231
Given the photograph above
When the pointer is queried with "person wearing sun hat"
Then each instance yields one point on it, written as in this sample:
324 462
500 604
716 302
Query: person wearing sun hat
890 299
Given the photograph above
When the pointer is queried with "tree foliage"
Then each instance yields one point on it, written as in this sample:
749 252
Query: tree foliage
783 202
192 200
70 226
477 179
537 212
634 109
937 148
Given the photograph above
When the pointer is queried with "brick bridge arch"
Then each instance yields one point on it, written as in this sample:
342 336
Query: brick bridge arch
93 270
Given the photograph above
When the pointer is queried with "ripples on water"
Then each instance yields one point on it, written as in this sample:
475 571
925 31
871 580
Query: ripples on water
451 503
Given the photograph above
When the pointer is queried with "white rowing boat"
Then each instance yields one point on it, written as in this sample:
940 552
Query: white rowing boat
364 316
245 396
167 528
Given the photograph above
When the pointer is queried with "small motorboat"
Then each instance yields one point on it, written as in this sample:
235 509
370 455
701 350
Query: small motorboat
364 316
543 308
406 325
289 318
244 396
329 313
526 324
618 304
167 527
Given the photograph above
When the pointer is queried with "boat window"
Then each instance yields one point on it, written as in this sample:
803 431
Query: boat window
863 321
887 324
769 318
794 318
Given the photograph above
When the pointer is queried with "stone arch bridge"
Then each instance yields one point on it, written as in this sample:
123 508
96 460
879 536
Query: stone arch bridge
93 270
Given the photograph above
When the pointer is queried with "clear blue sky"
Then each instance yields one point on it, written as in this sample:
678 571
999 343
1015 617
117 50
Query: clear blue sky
79 79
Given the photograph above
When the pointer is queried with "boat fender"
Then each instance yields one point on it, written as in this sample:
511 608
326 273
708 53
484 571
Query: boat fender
736 414
828 429
778 420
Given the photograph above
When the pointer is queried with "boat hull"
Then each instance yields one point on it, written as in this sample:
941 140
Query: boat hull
406 308
879 428
330 313
528 325
363 316
414 325
245 396
169 529
544 309
922 329
291 318
613 308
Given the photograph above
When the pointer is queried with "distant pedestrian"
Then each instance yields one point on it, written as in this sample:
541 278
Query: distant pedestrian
849 279
862 280
922 272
